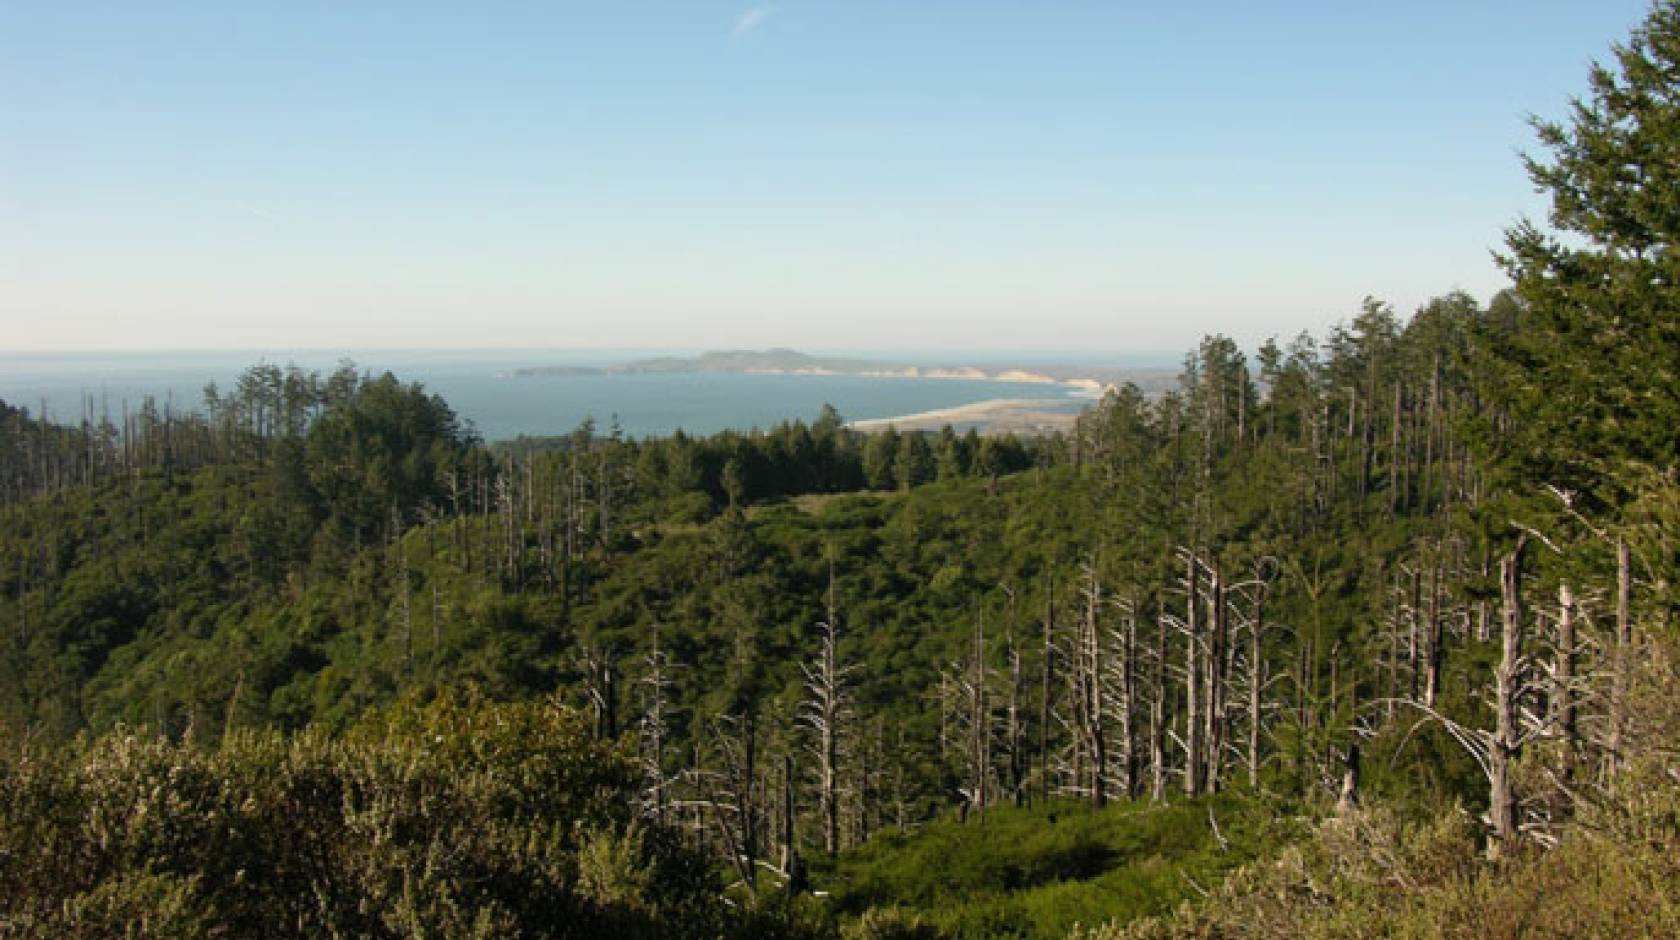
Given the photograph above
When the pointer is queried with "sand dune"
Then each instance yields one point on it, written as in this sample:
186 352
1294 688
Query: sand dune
993 416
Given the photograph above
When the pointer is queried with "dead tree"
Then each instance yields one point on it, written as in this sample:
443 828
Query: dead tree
732 795
1414 627
1049 669
966 701
1087 670
1507 743
1193 745
1516 683
1257 677
1434 650
654 731
1393 656
980 717
826 711
1121 694
505 506
1158 714
1348 800
600 687
1622 657
1014 727
1563 684
793 867
1215 665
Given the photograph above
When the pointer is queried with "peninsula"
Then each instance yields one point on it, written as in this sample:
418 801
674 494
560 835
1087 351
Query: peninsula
1091 380
1061 384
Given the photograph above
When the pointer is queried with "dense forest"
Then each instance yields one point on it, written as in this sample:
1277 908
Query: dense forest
1369 633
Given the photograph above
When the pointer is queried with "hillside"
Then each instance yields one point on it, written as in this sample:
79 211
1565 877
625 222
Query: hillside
1367 634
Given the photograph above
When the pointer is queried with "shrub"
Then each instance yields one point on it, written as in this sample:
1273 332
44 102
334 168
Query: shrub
451 817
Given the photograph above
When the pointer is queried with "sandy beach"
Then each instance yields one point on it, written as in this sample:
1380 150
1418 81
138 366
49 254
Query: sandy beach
994 416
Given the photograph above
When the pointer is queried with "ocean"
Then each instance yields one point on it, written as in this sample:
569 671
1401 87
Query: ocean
481 388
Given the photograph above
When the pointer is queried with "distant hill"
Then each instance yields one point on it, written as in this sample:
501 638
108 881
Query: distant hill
727 360
754 360
792 362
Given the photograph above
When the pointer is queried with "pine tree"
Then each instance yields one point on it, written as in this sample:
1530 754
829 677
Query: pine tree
1594 363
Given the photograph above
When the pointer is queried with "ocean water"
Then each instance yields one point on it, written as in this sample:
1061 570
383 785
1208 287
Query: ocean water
481 388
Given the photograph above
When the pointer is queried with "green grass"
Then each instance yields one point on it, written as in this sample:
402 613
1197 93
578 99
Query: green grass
1037 872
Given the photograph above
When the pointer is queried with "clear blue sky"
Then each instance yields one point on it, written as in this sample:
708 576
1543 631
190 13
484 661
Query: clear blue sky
979 175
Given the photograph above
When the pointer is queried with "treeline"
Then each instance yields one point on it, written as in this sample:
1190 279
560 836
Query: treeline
354 448
268 409
704 474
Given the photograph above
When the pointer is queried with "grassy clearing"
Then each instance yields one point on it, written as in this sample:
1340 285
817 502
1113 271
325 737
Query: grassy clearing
1040 871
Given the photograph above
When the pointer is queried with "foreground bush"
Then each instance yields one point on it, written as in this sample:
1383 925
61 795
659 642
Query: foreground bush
453 818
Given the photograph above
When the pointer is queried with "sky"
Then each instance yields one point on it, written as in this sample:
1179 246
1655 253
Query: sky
825 174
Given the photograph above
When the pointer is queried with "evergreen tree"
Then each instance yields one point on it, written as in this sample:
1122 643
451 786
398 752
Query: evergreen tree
880 458
915 460
1593 365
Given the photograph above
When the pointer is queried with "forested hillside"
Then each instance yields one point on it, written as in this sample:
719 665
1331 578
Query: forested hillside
1368 633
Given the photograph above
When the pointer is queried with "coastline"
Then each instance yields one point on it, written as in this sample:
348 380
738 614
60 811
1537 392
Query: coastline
1088 386
992 416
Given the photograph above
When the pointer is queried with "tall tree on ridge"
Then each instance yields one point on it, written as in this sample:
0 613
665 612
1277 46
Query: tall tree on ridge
1594 363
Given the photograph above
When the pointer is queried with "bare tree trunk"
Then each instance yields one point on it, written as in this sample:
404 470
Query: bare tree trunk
1563 695
1044 691
652 738
1414 643
825 712
746 802
1213 736
740 828
980 717
1348 801
787 816
1502 803
1158 716
1094 698
1127 654
1623 654
1393 662
830 728
1256 679
1434 653
1017 739
1192 684
601 687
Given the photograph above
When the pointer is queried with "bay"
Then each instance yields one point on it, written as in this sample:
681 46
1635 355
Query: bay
480 386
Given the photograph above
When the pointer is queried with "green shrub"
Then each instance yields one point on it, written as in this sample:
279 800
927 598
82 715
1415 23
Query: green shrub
1037 872
452 817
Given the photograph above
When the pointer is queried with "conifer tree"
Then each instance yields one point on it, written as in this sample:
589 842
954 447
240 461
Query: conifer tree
1592 365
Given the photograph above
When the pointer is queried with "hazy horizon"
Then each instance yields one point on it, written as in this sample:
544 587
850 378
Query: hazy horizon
612 355
826 177
483 387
